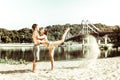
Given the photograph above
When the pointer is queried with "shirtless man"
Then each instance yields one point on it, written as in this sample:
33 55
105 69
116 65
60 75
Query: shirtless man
37 40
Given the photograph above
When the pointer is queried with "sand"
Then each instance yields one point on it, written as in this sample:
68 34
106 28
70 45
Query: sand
104 69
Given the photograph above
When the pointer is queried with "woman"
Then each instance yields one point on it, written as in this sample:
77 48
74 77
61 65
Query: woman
51 45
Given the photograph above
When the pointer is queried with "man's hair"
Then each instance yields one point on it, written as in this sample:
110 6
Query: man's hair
34 26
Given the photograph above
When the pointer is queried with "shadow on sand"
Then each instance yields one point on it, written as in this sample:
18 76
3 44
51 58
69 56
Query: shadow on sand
15 71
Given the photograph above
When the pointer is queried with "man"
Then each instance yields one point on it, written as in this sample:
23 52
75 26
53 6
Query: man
36 39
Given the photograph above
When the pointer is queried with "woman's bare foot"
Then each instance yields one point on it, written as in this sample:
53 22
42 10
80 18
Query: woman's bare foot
67 29
65 33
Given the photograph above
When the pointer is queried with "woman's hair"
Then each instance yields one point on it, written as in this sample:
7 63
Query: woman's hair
34 26
45 30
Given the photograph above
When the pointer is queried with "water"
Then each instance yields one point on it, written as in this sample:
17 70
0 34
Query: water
64 52
25 52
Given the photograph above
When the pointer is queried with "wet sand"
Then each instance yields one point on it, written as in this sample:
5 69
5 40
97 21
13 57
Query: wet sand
103 69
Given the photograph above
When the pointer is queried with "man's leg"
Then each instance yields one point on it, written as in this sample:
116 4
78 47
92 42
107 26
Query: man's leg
34 66
36 56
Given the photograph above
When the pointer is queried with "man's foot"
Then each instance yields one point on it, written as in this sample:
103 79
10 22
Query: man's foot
33 71
34 66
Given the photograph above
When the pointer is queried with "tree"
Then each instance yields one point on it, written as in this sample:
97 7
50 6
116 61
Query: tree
115 37
6 39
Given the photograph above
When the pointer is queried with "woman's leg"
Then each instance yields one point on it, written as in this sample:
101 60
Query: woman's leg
51 54
64 35
56 43
51 47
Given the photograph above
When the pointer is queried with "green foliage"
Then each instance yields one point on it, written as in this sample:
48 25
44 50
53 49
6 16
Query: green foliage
54 33
6 39
104 47
14 36
115 37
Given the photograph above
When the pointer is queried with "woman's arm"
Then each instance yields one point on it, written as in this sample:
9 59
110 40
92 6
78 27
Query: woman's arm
44 41
40 37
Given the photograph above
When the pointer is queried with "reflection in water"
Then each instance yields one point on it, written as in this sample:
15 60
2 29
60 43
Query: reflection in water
61 52
16 53
25 53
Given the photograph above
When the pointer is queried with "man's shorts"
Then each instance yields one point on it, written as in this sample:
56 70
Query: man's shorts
36 52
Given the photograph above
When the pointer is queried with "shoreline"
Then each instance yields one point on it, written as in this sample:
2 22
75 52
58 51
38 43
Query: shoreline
16 44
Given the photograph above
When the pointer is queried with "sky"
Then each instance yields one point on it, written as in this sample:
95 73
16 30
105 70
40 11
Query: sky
18 14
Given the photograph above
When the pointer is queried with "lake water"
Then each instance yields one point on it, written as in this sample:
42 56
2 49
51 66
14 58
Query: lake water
26 52
61 52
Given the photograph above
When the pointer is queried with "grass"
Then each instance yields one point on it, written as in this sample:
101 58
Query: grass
13 62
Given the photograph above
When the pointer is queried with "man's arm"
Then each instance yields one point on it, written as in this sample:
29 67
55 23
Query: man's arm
36 35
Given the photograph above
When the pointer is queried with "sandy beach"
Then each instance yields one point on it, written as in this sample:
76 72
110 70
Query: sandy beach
104 69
